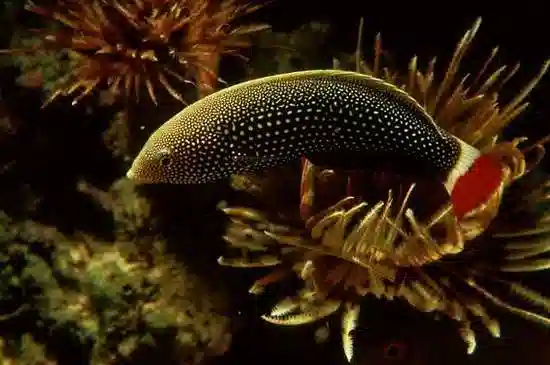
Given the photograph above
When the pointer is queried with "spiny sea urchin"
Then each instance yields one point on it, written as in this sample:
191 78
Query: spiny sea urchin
128 46
355 233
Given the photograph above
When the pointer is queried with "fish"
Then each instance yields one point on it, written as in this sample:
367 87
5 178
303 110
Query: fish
323 115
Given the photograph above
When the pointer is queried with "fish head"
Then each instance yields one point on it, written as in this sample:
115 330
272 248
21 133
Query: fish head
184 150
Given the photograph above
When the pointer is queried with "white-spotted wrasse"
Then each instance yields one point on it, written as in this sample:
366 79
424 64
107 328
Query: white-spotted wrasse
273 120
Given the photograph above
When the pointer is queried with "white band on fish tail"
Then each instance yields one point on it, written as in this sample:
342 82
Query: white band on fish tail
466 159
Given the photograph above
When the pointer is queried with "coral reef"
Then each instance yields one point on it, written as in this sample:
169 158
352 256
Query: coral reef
76 299
351 234
87 277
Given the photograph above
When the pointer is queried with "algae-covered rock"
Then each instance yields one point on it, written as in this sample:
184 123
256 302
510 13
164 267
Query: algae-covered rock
131 212
39 70
27 352
75 299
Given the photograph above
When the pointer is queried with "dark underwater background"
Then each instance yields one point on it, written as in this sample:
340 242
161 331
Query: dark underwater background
61 183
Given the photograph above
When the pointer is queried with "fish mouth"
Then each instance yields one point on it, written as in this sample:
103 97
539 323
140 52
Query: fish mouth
140 178
130 174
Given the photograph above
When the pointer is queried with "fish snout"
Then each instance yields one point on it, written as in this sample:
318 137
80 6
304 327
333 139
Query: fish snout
138 176
130 174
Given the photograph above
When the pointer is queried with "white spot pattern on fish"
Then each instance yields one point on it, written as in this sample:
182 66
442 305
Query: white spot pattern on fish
270 121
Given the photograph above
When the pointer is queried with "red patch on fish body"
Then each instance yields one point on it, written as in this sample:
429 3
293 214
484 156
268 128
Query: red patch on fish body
477 185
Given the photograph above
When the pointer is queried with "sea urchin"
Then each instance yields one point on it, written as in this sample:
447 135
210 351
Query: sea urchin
127 46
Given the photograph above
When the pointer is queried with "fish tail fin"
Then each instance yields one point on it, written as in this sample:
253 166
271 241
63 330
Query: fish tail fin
477 185
473 180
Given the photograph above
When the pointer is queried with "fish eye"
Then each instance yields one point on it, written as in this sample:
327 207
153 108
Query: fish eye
165 161
165 158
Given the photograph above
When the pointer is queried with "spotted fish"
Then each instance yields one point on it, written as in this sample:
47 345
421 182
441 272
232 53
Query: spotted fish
273 120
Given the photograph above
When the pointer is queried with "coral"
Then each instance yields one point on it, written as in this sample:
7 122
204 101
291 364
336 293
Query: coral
29 352
81 300
127 47
130 211
111 294
351 234
40 70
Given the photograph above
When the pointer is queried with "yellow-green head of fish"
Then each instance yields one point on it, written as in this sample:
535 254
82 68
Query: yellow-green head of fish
187 149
